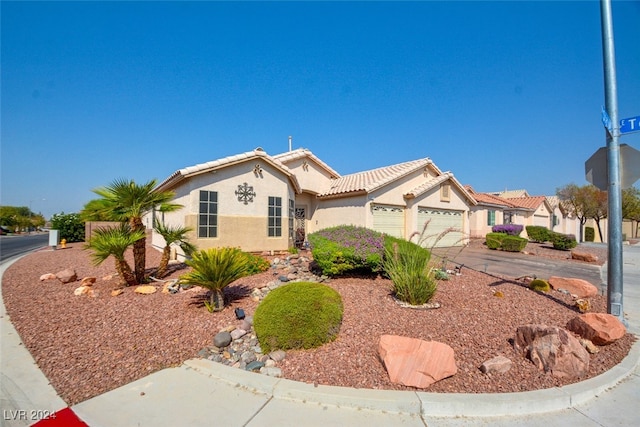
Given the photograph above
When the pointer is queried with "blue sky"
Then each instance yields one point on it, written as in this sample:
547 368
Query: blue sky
506 95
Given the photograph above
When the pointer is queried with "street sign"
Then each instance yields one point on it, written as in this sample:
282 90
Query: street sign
596 167
606 120
632 124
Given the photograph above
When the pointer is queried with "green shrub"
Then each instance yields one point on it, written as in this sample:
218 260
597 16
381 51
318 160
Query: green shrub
538 233
70 226
563 242
255 264
344 248
298 315
589 234
539 285
407 265
513 244
494 240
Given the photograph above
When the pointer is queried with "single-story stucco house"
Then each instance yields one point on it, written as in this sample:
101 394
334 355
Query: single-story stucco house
260 202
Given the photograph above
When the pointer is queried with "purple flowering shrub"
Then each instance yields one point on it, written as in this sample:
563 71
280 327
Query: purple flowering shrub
510 229
337 250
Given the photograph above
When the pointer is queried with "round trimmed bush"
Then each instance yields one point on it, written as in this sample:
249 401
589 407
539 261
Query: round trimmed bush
540 285
298 315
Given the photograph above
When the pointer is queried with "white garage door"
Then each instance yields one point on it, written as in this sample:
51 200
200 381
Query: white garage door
440 221
388 220
541 220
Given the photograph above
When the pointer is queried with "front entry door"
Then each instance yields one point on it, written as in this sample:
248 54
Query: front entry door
299 226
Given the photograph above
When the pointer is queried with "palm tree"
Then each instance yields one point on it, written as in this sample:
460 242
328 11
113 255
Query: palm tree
172 234
214 269
128 202
107 242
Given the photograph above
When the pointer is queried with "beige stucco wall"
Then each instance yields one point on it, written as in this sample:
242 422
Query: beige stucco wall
478 220
234 215
344 211
312 177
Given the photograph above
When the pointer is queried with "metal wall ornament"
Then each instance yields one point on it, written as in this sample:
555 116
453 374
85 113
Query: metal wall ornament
245 193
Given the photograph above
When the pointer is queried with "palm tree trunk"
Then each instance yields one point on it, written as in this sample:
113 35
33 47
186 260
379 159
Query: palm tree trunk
217 300
164 262
124 271
139 250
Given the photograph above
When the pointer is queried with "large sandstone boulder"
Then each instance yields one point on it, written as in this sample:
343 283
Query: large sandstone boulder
584 256
67 275
416 363
552 349
599 328
580 288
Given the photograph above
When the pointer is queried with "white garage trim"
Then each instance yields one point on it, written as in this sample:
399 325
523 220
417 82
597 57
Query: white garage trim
440 221
388 220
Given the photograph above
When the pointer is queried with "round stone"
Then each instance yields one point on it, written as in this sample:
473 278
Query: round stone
222 339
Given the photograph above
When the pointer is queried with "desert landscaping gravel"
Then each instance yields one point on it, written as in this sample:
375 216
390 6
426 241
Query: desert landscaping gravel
87 345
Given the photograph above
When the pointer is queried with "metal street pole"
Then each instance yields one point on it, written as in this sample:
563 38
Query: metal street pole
614 217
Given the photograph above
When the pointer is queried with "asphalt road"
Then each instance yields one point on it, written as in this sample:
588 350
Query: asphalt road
515 265
19 244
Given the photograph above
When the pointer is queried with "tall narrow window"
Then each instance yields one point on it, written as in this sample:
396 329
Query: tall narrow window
208 214
274 228
491 217
292 204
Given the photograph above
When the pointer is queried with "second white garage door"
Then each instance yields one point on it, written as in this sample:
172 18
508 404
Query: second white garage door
439 222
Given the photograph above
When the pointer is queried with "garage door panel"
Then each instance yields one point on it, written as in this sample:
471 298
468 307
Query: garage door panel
439 222
388 220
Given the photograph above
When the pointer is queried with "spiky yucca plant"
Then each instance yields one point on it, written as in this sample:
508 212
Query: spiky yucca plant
107 242
215 269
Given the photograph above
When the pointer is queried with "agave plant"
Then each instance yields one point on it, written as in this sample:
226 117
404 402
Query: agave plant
107 242
172 234
215 269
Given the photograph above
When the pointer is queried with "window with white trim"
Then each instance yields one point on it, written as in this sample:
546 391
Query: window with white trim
274 227
491 217
208 214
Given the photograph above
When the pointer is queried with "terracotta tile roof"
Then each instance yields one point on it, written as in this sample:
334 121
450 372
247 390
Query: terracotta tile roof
490 199
258 154
371 180
533 202
299 153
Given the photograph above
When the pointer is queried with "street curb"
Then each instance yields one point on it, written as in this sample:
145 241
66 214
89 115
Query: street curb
423 403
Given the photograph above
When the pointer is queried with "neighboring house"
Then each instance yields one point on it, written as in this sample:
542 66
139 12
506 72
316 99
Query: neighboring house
494 208
491 210
260 202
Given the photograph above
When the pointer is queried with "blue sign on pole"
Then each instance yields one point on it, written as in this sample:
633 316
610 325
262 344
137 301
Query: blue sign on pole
606 120
632 124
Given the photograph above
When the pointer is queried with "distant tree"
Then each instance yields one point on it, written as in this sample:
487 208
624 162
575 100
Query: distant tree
20 218
598 207
584 202
70 226
631 208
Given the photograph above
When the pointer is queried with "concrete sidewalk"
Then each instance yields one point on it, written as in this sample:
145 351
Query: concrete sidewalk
204 393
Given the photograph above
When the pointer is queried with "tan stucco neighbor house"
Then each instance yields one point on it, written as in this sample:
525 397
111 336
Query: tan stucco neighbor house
260 202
